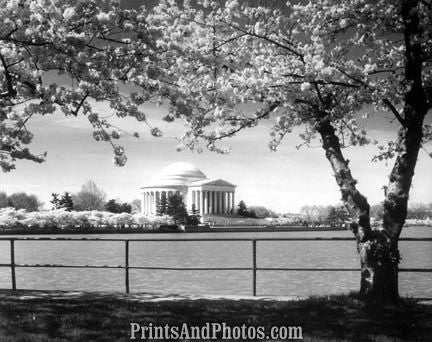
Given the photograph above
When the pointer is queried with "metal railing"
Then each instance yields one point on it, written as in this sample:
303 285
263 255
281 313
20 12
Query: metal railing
13 265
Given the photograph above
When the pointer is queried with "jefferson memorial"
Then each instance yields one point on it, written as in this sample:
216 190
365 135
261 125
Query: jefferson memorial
210 195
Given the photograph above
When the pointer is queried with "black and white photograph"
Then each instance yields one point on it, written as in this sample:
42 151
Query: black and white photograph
239 170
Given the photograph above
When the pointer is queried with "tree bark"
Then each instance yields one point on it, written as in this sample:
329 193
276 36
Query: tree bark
378 249
411 134
379 271
379 259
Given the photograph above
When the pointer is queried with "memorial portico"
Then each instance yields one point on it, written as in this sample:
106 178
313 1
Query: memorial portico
208 195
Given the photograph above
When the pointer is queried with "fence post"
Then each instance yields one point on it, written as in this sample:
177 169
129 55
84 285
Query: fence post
127 265
12 263
254 267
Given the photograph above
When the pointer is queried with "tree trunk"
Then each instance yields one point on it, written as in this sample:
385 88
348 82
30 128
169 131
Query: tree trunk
380 255
378 249
378 252
411 133
379 260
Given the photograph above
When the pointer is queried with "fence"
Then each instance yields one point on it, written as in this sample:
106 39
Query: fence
13 265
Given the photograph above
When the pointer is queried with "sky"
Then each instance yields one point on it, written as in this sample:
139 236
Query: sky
283 181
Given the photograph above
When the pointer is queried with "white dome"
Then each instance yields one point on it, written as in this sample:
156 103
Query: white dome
177 174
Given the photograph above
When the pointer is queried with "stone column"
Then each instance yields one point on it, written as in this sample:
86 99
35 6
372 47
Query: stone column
233 202
150 202
228 199
204 202
155 201
226 203
219 198
210 195
143 209
201 203
215 210
216 199
198 201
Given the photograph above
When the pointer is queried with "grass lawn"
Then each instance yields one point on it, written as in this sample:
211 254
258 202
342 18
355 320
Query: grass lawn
56 316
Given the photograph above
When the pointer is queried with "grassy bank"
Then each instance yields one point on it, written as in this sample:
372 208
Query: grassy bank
45 316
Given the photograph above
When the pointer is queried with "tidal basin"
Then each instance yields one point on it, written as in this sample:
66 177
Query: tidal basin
213 254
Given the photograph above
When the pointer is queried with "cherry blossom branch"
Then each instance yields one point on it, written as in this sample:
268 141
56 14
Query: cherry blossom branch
230 40
75 112
246 124
272 41
11 92
394 111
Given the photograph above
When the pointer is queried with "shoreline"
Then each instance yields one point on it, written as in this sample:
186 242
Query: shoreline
189 230
220 229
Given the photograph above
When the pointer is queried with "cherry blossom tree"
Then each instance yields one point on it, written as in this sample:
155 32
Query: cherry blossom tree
313 65
95 45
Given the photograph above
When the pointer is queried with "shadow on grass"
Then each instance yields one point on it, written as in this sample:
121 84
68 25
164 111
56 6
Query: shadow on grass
63 316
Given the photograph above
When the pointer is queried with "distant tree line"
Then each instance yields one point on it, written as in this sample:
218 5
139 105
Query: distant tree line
89 198
319 214
419 211
337 214
19 200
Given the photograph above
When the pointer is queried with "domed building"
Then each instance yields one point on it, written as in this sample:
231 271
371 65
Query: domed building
209 195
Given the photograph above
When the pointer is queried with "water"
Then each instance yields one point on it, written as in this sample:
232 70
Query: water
271 254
